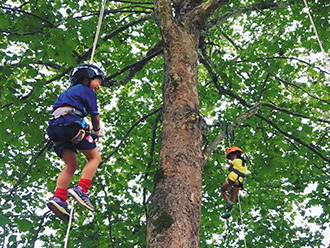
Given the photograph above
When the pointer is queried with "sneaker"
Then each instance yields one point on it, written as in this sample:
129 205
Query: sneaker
59 208
229 205
81 197
226 215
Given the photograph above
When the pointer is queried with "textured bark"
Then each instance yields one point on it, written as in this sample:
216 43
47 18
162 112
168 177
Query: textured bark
175 209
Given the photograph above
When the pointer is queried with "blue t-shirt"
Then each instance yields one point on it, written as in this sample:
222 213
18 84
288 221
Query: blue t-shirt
81 98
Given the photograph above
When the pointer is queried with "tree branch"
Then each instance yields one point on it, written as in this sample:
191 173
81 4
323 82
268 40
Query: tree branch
294 138
292 113
151 154
136 67
20 180
115 32
300 88
255 7
128 132
231 127
205 10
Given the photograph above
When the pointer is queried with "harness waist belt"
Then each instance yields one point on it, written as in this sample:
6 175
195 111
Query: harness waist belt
239 173
64 111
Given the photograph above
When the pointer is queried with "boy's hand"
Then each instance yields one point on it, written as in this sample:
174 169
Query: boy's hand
100 133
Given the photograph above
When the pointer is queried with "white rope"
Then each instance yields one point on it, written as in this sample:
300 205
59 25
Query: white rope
69 226
240 211
97 31
326 58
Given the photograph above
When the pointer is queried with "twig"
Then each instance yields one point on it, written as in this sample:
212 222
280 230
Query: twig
293 137
128 132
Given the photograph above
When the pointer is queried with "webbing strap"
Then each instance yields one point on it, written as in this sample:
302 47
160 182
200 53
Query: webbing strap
64 111
239 173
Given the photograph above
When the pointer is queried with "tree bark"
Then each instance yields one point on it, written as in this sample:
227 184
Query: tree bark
175 210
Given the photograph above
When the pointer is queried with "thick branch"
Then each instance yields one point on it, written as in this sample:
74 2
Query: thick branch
231 127
205 10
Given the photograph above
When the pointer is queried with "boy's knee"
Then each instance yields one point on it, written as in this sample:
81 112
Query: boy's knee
96 157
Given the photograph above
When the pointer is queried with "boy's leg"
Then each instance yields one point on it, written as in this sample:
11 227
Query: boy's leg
234 193
229 204
80 193
224 188
71 163
58 204
93 160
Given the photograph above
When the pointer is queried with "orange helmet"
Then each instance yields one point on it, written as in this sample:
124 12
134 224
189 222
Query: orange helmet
233 148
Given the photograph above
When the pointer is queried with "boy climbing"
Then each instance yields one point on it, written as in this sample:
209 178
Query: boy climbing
69 133
235 179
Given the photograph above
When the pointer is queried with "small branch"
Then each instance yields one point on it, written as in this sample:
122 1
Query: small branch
117 31
263 88
255 7
300 88
292 113
215 81
136 67
39 228
7 7
34 160
231 127
151 154
128 132
294 138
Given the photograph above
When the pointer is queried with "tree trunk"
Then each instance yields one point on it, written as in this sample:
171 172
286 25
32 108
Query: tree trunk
175 211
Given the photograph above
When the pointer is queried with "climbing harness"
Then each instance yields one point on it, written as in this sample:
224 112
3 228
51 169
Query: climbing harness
64 111
98 30
326 58
69 226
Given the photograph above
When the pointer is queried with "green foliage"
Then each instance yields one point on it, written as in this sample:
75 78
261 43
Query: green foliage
266 55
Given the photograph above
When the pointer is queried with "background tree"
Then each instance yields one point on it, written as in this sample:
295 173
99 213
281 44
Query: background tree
248 55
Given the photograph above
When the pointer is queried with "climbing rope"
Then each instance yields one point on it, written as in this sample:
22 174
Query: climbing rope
98 30
326 58
69 226
240 212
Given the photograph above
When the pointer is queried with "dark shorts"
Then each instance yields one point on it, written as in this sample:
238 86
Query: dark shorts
62 137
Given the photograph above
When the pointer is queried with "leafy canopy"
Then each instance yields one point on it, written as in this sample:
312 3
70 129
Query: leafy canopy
251 51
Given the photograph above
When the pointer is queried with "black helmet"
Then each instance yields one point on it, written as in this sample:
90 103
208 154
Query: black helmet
85 70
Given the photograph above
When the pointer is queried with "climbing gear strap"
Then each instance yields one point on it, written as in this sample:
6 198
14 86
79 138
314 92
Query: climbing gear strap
64 111
79 136
239 173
